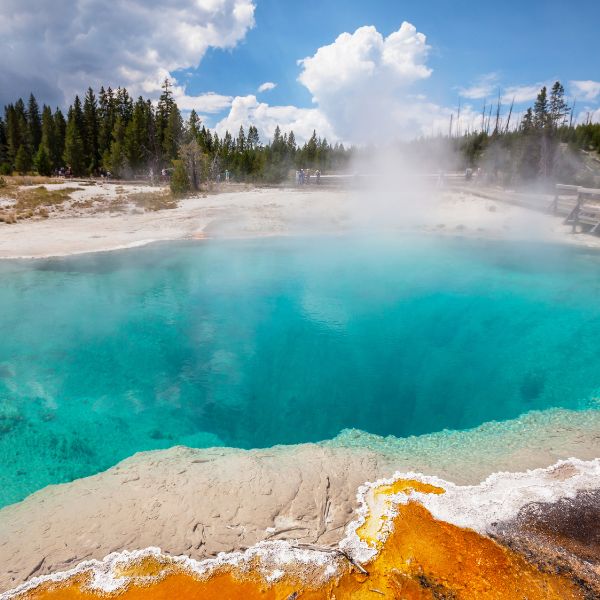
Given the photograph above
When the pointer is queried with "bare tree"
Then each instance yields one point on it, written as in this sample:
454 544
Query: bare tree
195 162
509 114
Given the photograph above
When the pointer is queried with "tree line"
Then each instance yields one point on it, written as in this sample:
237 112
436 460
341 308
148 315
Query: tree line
545 145
130 138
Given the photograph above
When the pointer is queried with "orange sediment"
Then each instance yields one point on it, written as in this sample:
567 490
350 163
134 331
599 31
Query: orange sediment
420 559
379 501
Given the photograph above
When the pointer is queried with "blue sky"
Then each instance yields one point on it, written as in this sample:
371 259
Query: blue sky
404 80
528 42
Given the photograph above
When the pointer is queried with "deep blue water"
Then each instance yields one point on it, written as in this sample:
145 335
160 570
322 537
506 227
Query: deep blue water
278 341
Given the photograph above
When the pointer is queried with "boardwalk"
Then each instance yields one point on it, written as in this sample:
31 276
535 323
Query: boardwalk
580 206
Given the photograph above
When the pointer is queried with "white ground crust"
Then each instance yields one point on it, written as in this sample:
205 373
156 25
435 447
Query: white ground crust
264 212
226 500
499 497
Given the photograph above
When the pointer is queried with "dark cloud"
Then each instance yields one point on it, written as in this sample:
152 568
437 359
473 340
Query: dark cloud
59 48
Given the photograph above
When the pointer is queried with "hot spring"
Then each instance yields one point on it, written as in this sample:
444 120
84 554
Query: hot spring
255 343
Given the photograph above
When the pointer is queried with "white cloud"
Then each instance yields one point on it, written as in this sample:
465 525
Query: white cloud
366 55
60 48
484 87
587 114
203 103
586 90
362 88
267 86
522 93
247 110
361 80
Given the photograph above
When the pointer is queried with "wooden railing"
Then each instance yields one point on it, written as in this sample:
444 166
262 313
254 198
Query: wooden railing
580 206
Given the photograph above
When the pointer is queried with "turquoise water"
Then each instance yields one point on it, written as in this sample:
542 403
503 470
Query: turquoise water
279 341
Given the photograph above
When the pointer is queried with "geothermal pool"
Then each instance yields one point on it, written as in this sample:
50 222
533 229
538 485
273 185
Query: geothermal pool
253 343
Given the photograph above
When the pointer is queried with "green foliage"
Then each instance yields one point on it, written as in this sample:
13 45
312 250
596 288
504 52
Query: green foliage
136 138
49 138
60 127
3 143
90 129
193 130
107 114
544 147
23 160
132 139
15 129
173 134
180 183
540 110
195 161
558 107
73 154
34 124
42 161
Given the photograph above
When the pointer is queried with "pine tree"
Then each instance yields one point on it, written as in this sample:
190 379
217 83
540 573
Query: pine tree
34 124
240 144
60 127
90 132
253 140
558 108
216 142
540 110
106 116
16 129
124 104
73 154
193 127
529 148
173 134
309 151
23 160
4 165
136 136
206 140
527 124
78 115
49 137
42 161
164 108
292 143
115 159
154 145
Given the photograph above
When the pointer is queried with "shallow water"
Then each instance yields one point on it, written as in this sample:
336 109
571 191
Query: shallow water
277 341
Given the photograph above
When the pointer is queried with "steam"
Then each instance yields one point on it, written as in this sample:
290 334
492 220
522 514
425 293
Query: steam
391 189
